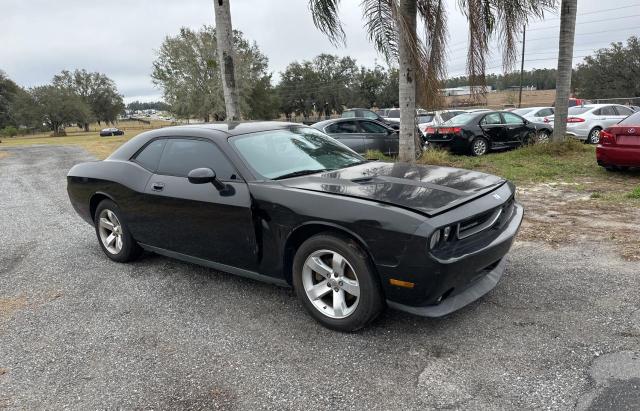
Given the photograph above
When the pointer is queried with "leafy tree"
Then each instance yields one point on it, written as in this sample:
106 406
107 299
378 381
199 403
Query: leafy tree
150 105
610 72
8 92
59 106
97 90
391 25
263 101
188 72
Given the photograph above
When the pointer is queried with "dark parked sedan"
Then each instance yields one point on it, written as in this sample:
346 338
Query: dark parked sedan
361 134
284 203
370 115
479 132
112 131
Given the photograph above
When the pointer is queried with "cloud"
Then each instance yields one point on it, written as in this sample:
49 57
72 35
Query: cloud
40 38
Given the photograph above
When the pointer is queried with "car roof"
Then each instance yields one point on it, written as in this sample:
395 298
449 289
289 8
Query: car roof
214 131
325 123
236 128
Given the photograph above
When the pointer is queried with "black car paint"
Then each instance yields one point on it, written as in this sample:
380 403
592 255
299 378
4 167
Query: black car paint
390 209
499 136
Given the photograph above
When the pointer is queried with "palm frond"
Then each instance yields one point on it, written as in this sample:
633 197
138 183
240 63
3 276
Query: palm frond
326 19
380 17
433 66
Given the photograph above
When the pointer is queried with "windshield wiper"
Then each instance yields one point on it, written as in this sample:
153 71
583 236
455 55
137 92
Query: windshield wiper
301 173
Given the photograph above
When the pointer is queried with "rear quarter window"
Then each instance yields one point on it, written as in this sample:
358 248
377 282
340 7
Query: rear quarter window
149 156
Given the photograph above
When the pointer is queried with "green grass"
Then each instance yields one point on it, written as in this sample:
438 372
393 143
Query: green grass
634 194
564 161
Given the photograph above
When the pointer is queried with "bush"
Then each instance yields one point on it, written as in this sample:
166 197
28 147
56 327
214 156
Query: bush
9 131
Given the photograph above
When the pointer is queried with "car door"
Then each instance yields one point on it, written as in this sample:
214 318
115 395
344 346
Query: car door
493 129
348 133
378 137
516 129
622 112
196 219
608 116
540 115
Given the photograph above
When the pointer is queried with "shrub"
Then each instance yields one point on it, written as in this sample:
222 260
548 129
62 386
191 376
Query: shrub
9 131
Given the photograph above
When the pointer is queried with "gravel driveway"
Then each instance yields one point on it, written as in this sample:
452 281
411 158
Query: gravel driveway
561 330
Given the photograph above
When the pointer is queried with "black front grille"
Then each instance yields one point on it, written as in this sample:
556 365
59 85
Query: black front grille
493 218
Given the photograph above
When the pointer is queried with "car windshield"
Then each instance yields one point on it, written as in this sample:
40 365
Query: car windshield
632 120
448 115
522 111
348 114
578 110
294 151
424 118
460 119
393 114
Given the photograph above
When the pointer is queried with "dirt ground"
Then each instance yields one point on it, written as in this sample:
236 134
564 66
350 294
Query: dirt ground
571 213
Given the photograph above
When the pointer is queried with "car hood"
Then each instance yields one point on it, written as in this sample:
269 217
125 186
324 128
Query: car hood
428 190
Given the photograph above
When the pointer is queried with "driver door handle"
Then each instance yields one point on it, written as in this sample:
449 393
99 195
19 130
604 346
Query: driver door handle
157 186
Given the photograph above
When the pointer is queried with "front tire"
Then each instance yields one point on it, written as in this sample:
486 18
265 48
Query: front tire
594 136
479 146
336 283
113 235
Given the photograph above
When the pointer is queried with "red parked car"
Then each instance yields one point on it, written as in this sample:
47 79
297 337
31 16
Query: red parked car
619 146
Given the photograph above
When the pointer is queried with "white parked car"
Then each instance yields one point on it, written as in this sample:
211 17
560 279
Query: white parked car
586 122
536 114
435 118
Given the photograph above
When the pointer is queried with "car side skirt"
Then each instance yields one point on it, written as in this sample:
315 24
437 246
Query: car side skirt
217 266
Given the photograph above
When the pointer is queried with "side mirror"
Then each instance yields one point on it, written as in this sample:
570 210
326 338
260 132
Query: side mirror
203 176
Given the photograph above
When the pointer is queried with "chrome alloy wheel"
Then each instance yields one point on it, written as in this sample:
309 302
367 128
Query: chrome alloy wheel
331 284
110 231
594 138
479 147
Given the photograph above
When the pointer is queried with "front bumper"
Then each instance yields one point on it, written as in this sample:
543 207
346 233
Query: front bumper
466 278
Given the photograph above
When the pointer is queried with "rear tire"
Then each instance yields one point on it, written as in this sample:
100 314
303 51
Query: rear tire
113 234
594 136
479 146
336 283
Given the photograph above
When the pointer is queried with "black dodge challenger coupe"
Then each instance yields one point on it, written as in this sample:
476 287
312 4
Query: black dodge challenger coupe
286 204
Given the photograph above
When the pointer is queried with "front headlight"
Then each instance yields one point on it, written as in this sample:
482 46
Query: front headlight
435 239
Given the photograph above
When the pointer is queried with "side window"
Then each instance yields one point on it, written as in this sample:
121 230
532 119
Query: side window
608 111
597 112
183 155
493 118
150 155
511 118
348 114
370 114
623 111
343 127
371 127
544 112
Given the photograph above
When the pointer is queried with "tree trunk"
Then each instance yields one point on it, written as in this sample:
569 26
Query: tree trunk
407 82
86 126
565 66
226 58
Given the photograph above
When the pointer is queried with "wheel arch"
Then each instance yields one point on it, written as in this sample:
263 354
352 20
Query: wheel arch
95 199
305 231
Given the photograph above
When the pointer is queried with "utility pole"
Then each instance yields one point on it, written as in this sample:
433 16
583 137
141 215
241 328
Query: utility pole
524 33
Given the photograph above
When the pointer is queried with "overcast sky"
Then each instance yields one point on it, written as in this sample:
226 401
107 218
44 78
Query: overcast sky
39 38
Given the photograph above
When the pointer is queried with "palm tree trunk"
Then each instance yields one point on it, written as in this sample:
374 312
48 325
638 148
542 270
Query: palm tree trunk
565 66
226 58
407 90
